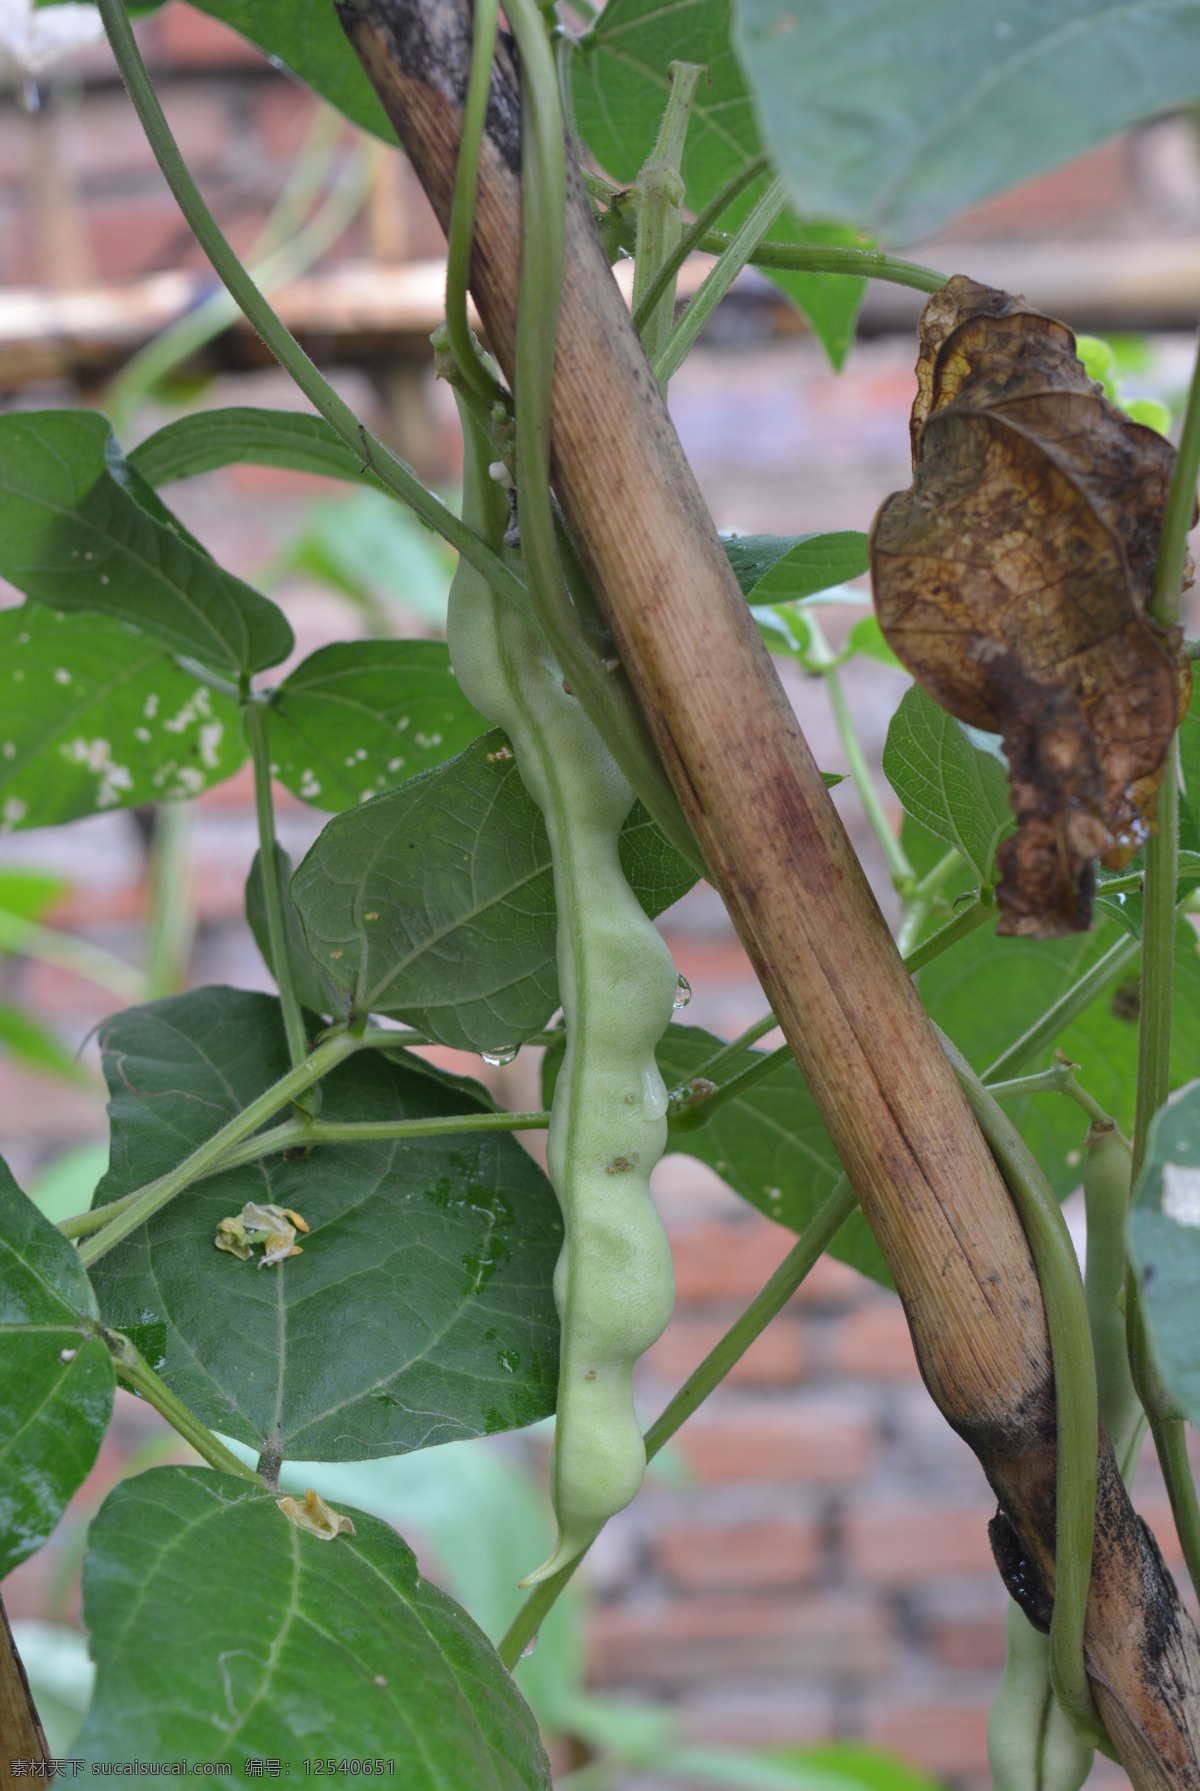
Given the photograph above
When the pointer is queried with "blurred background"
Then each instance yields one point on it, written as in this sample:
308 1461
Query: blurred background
810 1559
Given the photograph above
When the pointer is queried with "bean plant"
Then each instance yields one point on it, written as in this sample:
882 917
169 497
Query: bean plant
311 1246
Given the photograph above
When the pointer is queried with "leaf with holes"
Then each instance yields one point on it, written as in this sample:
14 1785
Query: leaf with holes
957 790
95 717
421 1309
80 529
56 1376
361 717
435 904
295 1649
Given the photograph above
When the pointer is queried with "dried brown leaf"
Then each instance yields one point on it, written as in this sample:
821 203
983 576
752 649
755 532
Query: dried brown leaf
1013 580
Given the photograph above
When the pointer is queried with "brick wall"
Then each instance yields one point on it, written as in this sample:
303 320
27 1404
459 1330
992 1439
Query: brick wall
818 1564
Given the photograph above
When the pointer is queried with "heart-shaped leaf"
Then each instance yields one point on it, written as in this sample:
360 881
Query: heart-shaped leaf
56 1375
435 903
421 1308
242 435
297 1652
957 790
80 529
899 113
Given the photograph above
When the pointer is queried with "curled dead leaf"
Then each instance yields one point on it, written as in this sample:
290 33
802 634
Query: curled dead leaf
311 1513
1013 580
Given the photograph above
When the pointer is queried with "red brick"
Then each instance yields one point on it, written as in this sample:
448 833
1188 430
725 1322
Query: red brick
283 117
105 138
965 1641
758 1440
1092 186
740 1557
911 1544
674 1644
832 1283
1157 1512
181 38
873 1343
727 1260
134 235
776 1358
943 1737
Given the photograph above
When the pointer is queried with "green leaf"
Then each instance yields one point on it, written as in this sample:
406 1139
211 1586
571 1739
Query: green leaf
314 989
96 717
25 892
987 991
244 436
783 568
1164 1243
895 115
769 1145
620 84
80 529
955 789
364 716
53 1411
435 903
295 1649
24 1037
421 1309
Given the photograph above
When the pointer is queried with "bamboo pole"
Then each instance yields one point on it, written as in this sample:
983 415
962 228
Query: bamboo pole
793 886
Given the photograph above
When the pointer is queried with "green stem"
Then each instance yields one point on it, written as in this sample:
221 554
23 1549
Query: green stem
136 1372
693 238
206 1157
1177 519
815 1239
736 1046
919 905
26 939
807 258
172 917
718 282
897 858
1170 1441
294 1132
461 233
1158 961
297 1132
1058 1079
399 479
255 715
659 192
1060 1013
976 914
1074 1388
1106 1166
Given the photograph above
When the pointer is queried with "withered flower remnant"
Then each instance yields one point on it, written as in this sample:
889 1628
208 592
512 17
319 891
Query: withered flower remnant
1013 579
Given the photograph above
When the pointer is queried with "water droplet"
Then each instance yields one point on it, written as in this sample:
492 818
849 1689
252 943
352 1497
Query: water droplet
529 1647
509 1360
501 1055
654 1094
1002 30
683 993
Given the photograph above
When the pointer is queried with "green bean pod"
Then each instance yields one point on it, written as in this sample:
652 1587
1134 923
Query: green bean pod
614 1284
1032 1744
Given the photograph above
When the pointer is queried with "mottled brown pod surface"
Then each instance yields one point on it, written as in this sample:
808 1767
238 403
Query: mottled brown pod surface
1013 580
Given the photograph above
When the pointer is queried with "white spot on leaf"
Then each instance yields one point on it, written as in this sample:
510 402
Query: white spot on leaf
1181 1193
